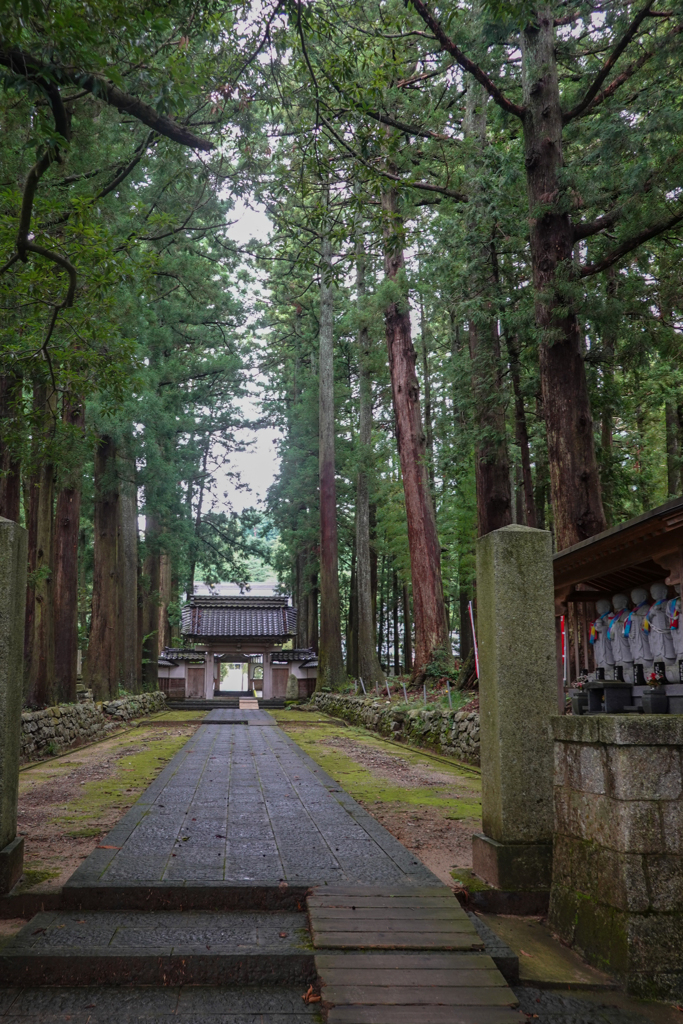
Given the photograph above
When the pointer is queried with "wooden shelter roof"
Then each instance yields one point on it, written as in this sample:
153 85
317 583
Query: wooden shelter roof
640 552
242 618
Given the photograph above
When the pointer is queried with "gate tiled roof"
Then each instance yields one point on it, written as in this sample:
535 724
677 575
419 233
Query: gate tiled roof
243 617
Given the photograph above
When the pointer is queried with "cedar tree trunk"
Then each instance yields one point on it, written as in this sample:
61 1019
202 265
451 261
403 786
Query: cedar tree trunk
369 668
128 577
521 431
431 627
330 662
65 561
102 664
574 480
492 466
39 634
150 606
407 632
10 467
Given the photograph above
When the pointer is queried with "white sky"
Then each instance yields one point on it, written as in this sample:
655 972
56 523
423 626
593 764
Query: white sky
259 464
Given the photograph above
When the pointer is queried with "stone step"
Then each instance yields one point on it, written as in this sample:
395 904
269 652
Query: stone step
170 1004
162 948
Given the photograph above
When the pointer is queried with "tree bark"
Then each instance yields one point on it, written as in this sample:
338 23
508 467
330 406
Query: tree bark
574 480
150 605
313 613
542 474
465 624
521 432
102 663
165 598
673 448
65 568
39 634
369 668
397 642
352 618
407 632
492 466
330 662
10 466
429 431
301 572
431 627
128 577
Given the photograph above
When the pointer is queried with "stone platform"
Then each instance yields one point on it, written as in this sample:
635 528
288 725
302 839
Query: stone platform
241 880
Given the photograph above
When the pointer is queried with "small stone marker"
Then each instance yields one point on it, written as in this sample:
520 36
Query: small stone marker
13 560
518 698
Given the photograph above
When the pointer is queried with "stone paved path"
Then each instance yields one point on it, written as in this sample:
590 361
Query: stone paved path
244 805
203 894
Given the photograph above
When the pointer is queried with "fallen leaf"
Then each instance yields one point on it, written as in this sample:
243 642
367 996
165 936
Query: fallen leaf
526 954
283 885
39 931
283 935
310 996
107 847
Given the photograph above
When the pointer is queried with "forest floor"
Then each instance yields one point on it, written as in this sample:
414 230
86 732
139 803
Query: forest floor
431 804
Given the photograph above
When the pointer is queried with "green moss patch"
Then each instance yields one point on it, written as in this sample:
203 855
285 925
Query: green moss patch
34 876
134 772
369 787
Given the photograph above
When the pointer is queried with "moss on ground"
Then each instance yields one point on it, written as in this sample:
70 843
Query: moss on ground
34 876
133 774
176 716
368 786
81 795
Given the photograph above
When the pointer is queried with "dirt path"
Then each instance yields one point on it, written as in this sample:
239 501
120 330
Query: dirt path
430 807
66 805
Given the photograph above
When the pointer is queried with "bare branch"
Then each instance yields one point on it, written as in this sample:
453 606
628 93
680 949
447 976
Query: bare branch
606 68
629 244
30 68
465 63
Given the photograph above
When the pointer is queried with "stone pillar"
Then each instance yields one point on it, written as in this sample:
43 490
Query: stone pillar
517 698
267 676
13 560
208 674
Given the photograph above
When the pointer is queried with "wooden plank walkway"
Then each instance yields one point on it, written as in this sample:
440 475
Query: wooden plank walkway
393 956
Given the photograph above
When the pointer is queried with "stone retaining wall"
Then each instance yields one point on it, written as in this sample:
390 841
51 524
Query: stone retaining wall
455 733
617 889
52 730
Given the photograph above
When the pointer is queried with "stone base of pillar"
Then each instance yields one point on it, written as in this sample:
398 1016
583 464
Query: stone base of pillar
512 867
11 864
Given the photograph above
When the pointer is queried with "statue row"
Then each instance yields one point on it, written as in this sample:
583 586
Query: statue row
629 642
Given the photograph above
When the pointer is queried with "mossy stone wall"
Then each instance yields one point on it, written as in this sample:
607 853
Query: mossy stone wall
455 733
53 730
617 890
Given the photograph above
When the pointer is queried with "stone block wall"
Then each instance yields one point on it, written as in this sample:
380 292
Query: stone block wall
617 890
56 729
455 733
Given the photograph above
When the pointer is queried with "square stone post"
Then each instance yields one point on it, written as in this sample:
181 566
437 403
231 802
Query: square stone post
13 561
267 676
517 699
208 674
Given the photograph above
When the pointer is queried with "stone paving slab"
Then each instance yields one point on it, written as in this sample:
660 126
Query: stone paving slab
244 807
